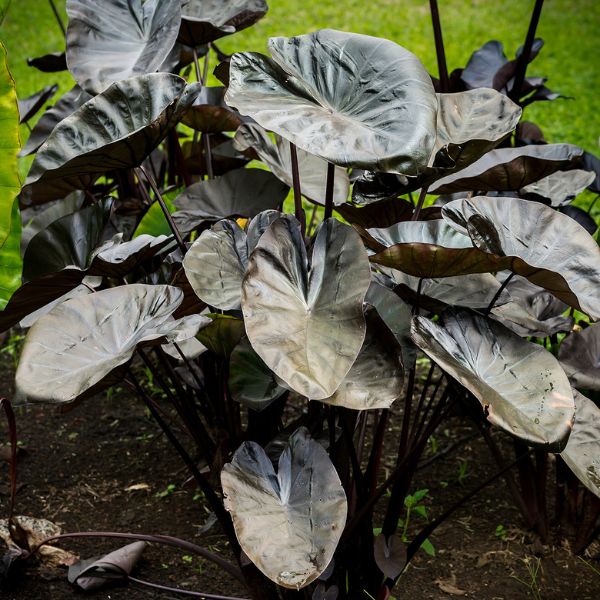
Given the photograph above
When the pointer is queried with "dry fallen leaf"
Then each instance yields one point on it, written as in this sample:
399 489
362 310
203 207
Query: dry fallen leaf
30 532
449 586
136 487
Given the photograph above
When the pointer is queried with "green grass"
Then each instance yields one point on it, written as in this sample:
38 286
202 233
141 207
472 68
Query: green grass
569 58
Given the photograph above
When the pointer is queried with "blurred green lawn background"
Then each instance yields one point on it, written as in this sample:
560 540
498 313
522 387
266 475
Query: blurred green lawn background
569 58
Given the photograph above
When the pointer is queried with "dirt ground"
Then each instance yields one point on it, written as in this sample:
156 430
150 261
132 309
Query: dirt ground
105 466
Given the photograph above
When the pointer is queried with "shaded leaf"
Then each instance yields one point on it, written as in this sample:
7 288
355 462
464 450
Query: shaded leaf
118 39
520 385
205 21
589 162
579 355
531 310
238 193
68 242
52 62
351 99
536 242
65 106
580 216
29 106
560 187
390 555
288 523
95 573
216 263
582 453
305 322
384 213
251 382
509 169
74 347
210 114
312 169
222 335
140 110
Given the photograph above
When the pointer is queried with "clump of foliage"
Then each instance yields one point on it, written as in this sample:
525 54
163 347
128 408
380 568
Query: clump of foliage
280 342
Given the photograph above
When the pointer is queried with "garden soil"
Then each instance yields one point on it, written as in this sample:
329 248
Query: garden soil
104 466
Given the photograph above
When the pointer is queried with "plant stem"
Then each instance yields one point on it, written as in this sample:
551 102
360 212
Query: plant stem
166 588
12 432
498 294
209 493
298 210
163 207
420 203
523 60
58 19
329 191
439 47
159 539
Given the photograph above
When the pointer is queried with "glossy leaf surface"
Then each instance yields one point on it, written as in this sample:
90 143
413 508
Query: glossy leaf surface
534 241
77 344
375 379
307 323
117 39
288 523
520 386
216 263
509 169
205 21
81 147
560 187
351 99
582 453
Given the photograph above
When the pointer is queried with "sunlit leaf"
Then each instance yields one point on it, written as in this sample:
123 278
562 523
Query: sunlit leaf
288 523
520 385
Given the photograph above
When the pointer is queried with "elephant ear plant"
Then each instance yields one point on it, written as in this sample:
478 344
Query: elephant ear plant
286 349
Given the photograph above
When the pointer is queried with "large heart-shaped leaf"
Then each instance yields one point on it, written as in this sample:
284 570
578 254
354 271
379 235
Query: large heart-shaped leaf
560 187
71 350
238 193
535 241
66 106
312 170
520 385
205 21
216 263
582 453
117 39
579 355
115 130
288 523
307 323
251 382
509 169
351 99
375 379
